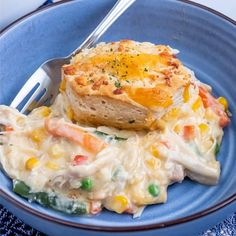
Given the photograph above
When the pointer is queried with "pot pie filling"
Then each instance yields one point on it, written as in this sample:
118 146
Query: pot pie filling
79 168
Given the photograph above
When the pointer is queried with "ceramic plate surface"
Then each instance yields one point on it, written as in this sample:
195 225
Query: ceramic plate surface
207 44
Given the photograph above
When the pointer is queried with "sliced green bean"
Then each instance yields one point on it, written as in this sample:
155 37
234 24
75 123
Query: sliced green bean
21 188
50 200
217 148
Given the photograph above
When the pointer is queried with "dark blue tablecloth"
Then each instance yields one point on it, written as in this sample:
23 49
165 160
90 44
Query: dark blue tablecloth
11 226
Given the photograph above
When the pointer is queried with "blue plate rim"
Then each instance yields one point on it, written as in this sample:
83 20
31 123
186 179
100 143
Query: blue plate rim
43 8
164 224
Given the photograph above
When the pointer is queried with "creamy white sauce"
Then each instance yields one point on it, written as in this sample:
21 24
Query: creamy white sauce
124 168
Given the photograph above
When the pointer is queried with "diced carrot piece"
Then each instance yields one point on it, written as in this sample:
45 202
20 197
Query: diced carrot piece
72 132
209 101
95 207
224 119
79 159
9 128
189 132
203 94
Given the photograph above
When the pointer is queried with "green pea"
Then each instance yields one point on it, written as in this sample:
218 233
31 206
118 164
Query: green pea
154 190
86 184
217 148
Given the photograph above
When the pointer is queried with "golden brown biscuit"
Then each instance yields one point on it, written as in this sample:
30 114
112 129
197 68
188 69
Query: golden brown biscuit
124 84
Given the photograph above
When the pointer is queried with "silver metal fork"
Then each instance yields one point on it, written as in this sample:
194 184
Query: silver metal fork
42 87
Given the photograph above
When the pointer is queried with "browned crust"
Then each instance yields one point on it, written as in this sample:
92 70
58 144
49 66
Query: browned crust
91 75
127 74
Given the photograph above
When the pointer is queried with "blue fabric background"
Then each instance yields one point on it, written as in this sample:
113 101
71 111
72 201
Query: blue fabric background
11 226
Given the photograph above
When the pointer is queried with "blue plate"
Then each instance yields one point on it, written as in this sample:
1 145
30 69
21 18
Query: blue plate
207 44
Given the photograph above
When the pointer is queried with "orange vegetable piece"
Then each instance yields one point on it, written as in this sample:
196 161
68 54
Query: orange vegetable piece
9 128
209 101
189 132
60 128
79 159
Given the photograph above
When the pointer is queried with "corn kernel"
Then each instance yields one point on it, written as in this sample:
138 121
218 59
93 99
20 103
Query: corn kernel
38 135
45 111
173 113
153 163
31 163
197 104
186 94
203 128
56 151
70 113
177 129
120 203
224 102
51 165
154 151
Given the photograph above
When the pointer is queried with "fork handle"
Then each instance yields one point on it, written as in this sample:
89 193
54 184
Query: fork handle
113 14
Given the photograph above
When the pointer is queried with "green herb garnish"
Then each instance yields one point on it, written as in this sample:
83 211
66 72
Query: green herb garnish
117 84
110 137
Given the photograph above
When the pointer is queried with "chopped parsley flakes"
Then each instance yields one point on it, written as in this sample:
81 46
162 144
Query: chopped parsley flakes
117 84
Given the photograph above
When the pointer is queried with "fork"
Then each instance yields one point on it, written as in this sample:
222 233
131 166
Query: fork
42 87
